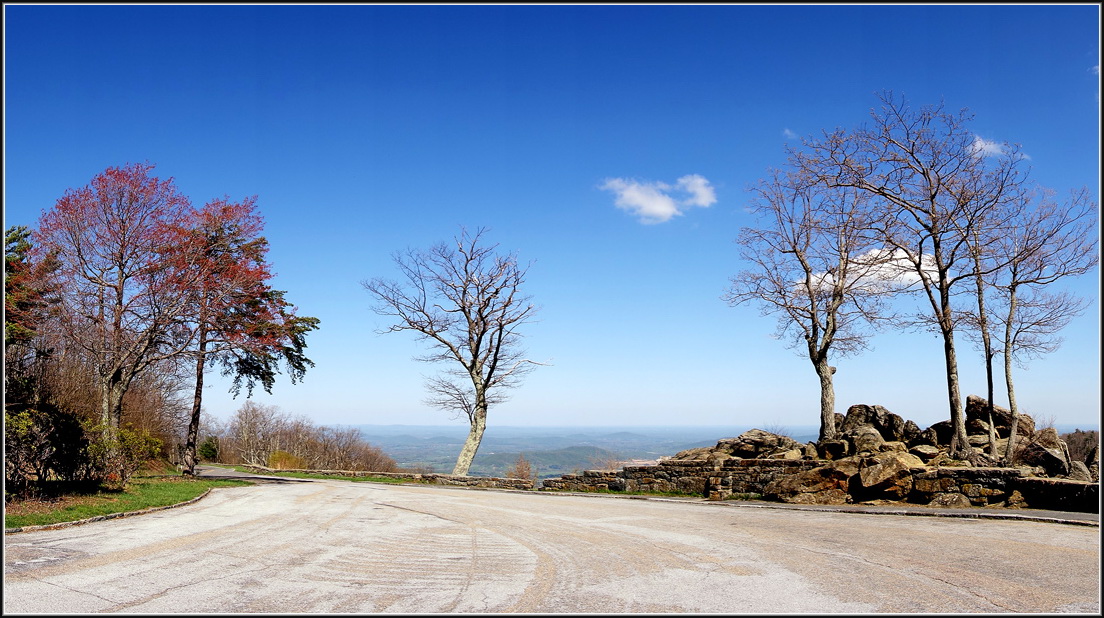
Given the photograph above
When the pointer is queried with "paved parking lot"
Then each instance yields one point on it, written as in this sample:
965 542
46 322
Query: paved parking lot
336 547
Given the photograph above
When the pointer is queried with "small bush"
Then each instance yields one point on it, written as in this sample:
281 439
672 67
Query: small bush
119 453
208 449
283 460
42 444
777 430
522 470
609 464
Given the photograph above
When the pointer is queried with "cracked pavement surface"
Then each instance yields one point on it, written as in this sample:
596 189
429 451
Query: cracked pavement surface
340 547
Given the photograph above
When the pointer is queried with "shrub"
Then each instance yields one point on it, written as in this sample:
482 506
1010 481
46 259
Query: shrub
119 453
41 444
208 450
522 470
283 460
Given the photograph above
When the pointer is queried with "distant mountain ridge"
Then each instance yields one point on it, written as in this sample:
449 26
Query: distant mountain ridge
552 451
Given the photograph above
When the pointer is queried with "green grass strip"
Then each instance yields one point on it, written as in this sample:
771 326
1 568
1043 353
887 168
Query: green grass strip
140 494
334 477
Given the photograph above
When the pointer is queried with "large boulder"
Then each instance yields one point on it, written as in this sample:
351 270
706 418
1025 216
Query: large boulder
893 428
759 444
888 474
752 444
1079 472
866 439
925 452
943 431
1092 462
927 437
1048 451
833 449
977 409
828 484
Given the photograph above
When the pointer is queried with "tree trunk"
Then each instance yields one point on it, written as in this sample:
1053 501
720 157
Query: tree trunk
475 436
960 444
190 443
113 388
827 402
1010 448
111 397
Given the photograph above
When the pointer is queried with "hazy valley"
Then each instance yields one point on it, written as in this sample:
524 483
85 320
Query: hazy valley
552 451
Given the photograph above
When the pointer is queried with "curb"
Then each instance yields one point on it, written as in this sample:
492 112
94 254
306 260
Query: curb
81 522
921 512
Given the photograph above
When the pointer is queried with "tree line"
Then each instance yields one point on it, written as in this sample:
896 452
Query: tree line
115 306
261 435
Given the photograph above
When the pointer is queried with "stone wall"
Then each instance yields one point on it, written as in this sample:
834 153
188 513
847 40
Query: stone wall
708 479
750 476
1004 487
429 479
717 480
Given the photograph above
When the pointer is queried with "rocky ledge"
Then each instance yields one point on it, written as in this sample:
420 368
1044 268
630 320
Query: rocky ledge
880 458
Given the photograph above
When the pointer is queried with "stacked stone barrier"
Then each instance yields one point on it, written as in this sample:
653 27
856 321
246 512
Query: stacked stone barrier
715 481
487 482
719 480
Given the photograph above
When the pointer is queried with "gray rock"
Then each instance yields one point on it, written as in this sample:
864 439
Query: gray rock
1048 452
889 425
977 408
1079 472
866 439
925 452
951 500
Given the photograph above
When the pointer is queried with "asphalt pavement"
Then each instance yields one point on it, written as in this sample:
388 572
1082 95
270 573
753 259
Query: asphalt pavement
328 546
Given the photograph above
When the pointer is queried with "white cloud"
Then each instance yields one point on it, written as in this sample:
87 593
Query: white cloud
986 148
653 202
701 193
879 270
1095 69
788 134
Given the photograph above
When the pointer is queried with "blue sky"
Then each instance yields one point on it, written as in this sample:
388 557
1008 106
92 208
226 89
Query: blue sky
364 130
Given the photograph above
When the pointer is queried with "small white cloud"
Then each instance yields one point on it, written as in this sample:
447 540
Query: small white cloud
653 202
986 148
788 134
878 270
701 193
1095 70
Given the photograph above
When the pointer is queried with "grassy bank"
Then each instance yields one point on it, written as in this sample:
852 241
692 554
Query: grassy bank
76 503
330 477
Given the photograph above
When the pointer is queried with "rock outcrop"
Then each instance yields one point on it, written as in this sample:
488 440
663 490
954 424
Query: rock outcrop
752 444
878 458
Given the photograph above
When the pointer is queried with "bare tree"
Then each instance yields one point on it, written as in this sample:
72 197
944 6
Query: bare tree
256 429
465 300
1049 243
934 186
815 267
982 241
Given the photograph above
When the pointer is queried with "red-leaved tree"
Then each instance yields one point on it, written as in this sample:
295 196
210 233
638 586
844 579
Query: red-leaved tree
121 301
239 322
